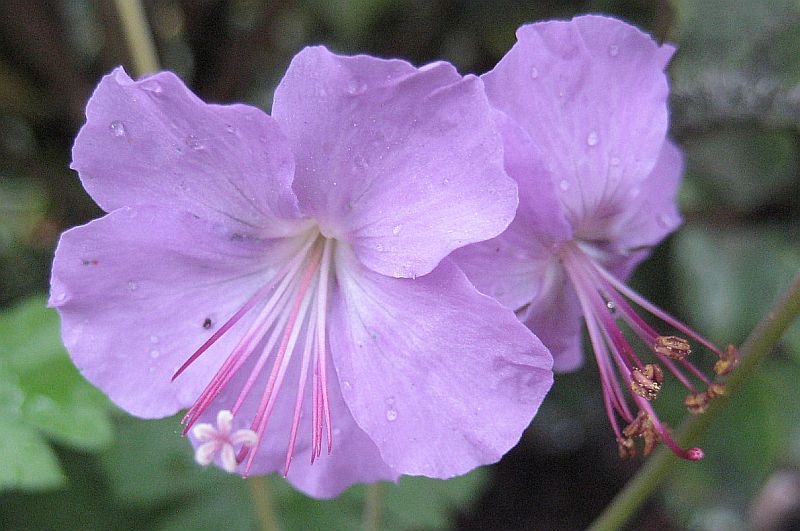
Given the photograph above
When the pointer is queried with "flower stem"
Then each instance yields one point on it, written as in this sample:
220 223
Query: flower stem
138 36
262 503
758 344
372 507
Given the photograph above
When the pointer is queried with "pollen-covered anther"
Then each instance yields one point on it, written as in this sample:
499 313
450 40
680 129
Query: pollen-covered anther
642 426
647 382
626 448
716 390
727 361
673 347
697 403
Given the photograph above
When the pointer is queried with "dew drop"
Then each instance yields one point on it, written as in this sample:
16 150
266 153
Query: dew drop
664 220
592 139
153 339
347 385
117 128
154 354
132 285
229 128
396 230
611 306
152 370
564 185
534 72
355 87
61 296
193 142
613 50
391 410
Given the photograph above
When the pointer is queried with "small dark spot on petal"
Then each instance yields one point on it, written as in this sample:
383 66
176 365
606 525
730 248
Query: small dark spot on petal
207 323
89 262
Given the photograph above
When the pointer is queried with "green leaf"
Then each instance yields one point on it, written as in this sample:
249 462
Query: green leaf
26 461
42 395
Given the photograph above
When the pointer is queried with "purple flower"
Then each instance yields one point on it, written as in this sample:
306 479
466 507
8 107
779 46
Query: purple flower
583 113
302 258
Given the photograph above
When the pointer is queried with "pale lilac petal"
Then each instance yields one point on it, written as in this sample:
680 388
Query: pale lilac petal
154 142
555 316
227 458
512 266
403 163
652 212
591 93
442 378
139 289
204 432
204 454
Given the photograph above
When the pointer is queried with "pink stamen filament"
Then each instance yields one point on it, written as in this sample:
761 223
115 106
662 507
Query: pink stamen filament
295 291
595 288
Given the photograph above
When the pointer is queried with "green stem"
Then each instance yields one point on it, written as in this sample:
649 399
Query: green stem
138 36
372 507
753 350
262 503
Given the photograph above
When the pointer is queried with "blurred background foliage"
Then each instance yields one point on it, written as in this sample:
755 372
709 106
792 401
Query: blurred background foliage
71 460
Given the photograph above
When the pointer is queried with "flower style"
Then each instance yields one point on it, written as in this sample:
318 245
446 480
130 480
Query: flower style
302 257
583 114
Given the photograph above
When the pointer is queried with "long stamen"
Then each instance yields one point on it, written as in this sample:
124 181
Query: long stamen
295 301
600 296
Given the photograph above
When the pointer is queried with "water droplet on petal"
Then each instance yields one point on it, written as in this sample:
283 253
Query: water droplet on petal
611 306
564 185
396 230
613 50
356 87
534 72
154 354
664 220
592 139
117 128
132 285
391 410
229 128
193 142
153 339
61 296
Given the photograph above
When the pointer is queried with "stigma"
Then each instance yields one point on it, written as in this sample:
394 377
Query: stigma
631 383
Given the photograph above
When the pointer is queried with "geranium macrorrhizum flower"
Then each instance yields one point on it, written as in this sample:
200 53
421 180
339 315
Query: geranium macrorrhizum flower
302 257
583 113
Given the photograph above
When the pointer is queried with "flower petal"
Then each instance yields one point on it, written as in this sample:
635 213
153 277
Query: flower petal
154 142
204 454
555 316
513 266
591 93
139 289
442 378
204 432
403 163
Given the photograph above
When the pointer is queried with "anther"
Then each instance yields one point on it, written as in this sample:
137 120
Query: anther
626 448
716 390
727 361
647 382
698 403
673 347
